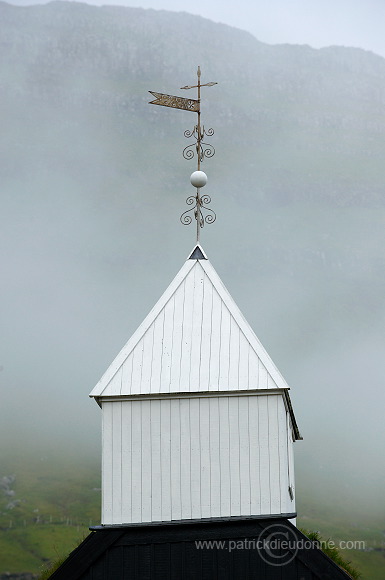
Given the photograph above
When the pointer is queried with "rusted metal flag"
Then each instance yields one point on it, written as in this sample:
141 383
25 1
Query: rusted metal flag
175 102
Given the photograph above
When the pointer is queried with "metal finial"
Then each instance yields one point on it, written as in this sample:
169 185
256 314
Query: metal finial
203 150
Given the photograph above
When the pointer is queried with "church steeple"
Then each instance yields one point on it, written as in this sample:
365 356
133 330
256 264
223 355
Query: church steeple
197 420
198 434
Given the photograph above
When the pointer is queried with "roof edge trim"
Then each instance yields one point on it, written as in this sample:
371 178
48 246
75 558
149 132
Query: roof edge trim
189 394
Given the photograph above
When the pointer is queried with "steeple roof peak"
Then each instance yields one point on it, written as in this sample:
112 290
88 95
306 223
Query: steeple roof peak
197 253
195 339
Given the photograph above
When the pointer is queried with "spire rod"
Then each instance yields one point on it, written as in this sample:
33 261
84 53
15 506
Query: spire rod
199 118
198 178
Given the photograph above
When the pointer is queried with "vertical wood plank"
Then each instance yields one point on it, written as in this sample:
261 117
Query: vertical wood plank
137 362
274 463
115 385
253 369
195 459
187 323
126 461
165 445
146 461
215 462
117 462
177 340
233 355
175 467
224 356
196 330
107 465
206 336
235 487
148 346
216 336
243 369
205 446
283 458
244 455
262 381
126 386
136 461
157 353
185 457
224 454
264 463
167 343
255 463
156 462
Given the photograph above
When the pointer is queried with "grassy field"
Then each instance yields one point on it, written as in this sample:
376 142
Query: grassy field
49 504
348 524
48 501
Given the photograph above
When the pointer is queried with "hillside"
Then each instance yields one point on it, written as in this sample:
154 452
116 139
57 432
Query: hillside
47 503
292 113
56 497
92 186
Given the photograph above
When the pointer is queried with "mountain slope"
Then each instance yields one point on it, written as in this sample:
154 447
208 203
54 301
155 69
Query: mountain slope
93 183
291 111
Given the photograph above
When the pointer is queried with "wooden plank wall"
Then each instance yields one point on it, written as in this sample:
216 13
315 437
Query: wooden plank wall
190 458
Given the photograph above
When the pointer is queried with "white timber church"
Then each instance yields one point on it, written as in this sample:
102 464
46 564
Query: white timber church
197 420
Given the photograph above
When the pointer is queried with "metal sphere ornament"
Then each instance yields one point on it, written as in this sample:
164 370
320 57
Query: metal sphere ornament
198 179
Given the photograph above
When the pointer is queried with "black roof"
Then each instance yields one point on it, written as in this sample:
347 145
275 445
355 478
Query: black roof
225 549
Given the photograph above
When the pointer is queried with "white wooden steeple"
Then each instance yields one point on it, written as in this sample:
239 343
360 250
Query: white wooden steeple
195 339
197 420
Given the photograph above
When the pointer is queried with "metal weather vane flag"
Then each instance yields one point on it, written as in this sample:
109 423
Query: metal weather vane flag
198 202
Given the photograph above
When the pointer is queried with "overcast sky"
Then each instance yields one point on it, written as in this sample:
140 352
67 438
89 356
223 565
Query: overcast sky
358 23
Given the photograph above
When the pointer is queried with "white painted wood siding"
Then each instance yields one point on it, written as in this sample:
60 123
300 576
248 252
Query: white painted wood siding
195 339
203 457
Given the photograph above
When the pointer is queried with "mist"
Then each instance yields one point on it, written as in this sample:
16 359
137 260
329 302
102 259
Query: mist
93 185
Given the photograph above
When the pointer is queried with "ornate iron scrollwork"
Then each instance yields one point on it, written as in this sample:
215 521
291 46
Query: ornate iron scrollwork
199 204
202 149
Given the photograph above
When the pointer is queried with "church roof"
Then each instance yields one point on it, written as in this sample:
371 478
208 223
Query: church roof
195 339
169 550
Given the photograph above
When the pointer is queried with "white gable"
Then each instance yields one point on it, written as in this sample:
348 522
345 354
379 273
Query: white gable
195 339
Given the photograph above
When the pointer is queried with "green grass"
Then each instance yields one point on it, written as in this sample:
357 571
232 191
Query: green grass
371 564
28 549
347 520
48 570
334 553
60 498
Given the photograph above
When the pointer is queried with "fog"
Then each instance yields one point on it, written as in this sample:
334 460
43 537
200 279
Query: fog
91 237
317 23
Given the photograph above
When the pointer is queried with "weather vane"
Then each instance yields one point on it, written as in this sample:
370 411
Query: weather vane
198 178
